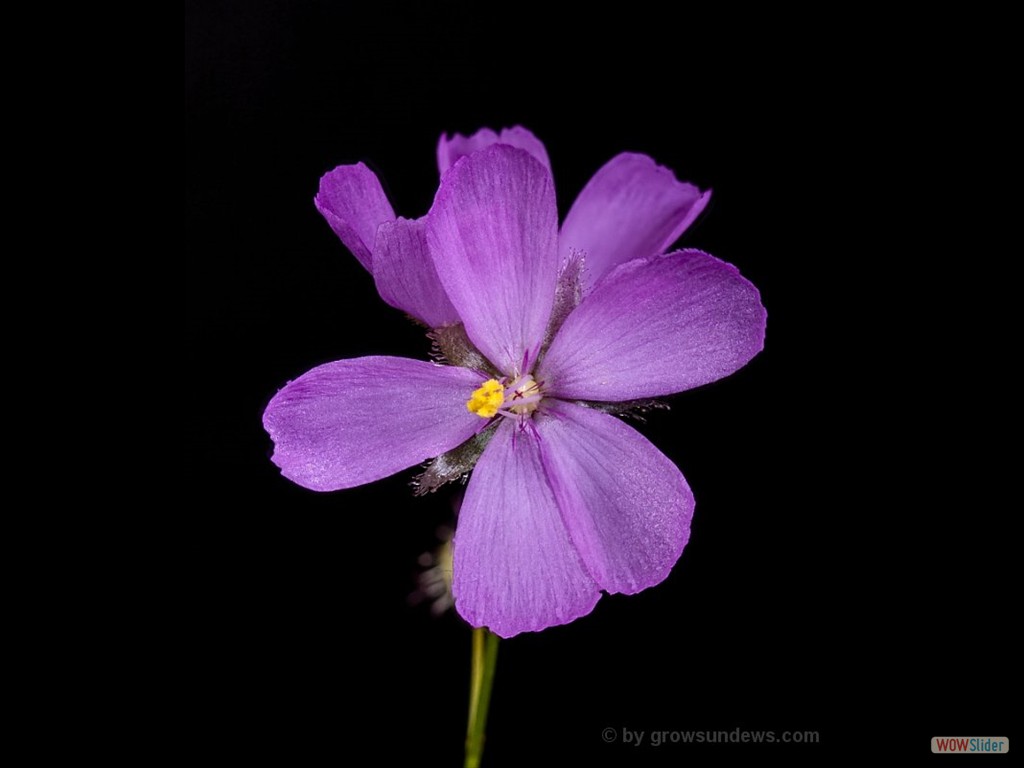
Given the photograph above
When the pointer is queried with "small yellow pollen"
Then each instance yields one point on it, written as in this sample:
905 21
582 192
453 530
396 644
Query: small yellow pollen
487 399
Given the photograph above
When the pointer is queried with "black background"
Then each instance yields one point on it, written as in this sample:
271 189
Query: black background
849 563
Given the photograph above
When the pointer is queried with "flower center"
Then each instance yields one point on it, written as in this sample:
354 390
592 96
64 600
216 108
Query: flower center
519 398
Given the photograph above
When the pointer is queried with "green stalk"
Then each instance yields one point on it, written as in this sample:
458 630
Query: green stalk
481 681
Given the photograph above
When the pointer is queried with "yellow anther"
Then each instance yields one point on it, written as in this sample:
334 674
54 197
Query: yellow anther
487 399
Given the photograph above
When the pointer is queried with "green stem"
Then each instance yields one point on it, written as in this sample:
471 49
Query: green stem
485 656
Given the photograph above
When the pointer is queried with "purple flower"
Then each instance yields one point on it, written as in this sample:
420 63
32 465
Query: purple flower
565 500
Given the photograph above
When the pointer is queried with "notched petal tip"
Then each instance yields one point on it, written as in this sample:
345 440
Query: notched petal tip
631 208
351 199
451 148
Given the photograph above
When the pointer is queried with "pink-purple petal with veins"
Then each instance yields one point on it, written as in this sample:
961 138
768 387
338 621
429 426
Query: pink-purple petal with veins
405 274
354 421
631 208
626 506
450 149
515 568
492 233
354 204
656 326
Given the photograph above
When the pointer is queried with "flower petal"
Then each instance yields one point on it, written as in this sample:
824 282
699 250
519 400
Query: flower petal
492 232
630 209
354 421
656 326
405 273
627 507
451 149
515 569
354 204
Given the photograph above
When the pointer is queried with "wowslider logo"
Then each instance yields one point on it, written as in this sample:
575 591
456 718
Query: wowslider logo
967 745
